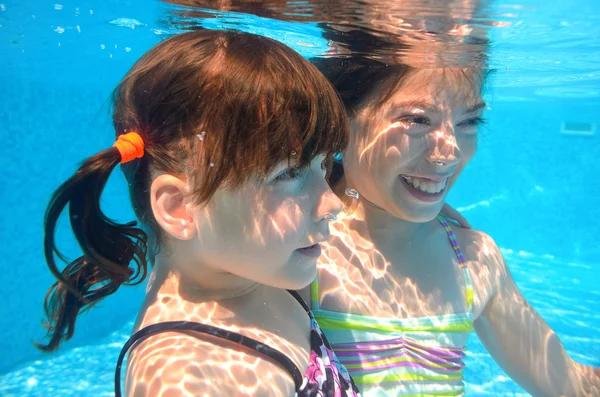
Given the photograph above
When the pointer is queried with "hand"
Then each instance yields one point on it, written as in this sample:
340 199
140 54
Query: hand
449 212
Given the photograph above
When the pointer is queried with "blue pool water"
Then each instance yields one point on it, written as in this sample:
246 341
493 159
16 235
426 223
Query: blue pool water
532 187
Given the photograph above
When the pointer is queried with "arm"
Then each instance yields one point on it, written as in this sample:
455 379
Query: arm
525 346
181 365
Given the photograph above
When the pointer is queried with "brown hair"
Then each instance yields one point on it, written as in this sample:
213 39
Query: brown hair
215 107
357 78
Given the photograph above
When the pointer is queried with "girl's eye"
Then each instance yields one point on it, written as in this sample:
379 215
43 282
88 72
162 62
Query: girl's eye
291 174
409 121
474 122
325 164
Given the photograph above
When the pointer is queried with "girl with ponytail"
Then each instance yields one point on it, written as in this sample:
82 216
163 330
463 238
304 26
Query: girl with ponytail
223 138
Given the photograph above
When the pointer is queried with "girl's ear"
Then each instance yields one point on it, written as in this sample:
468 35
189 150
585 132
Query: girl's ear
169 198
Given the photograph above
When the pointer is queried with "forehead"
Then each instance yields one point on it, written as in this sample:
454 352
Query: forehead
456 89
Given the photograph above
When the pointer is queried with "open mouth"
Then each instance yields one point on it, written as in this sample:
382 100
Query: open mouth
314 251
423 188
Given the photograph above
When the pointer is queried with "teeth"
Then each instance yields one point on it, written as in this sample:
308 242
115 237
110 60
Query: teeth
425 186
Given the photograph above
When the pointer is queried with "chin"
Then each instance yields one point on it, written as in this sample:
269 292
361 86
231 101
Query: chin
418 215
302 282
424 218
303 276
295 275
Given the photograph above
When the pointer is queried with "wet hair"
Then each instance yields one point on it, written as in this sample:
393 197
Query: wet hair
215 107
368 60
359 78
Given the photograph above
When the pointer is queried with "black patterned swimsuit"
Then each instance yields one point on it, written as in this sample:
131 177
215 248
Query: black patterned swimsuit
324 377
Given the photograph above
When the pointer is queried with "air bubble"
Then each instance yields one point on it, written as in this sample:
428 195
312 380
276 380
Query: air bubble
293 153
58 7
330 217
201 135
352 193
211 164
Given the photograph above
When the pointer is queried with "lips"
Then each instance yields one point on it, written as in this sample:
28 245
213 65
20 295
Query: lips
426 185
425 189
313 251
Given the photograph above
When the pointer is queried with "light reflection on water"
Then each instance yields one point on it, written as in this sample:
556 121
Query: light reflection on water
531 43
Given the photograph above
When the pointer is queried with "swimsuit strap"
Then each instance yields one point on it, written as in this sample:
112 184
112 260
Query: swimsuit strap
462 262
461 258
234 337
299 299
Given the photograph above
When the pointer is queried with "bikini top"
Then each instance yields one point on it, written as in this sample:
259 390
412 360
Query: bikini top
421 356
325 375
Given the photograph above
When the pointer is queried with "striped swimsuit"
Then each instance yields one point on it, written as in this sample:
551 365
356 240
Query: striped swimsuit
402 357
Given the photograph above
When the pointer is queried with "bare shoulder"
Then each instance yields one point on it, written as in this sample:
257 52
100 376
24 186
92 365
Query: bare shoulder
485 262
182 364
478 246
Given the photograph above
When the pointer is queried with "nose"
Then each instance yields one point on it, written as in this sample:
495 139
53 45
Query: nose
443 148
327 203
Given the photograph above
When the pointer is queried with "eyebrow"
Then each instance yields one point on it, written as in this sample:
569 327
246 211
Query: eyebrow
432 108
476 107
417 104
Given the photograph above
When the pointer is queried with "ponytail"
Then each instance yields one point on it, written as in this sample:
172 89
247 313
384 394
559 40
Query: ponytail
108 249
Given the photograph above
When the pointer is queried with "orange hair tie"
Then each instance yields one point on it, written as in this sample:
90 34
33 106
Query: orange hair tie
130 146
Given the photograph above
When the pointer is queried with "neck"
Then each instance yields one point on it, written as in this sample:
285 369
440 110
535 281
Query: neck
380 225
203 286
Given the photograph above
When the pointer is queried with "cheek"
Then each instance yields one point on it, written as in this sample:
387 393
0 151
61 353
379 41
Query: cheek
222 224
468 148
376 153
230 217
362 147
402 152
279 221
